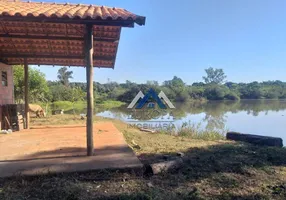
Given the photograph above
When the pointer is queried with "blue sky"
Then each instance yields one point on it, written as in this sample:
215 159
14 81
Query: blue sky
181 38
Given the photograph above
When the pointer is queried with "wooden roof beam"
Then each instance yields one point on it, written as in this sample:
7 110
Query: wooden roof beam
56 38
5 56
4 61
58 64
122 23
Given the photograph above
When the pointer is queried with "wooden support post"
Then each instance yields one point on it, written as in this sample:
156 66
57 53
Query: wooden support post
89 78
26 83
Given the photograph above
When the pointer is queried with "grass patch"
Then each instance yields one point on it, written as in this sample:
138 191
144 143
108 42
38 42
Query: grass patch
195 131
65 119
79 106
110 104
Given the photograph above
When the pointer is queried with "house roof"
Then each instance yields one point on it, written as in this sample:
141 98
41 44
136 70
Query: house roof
53 34
66 11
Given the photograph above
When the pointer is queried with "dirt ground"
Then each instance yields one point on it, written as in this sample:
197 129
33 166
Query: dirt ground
66 140
63 149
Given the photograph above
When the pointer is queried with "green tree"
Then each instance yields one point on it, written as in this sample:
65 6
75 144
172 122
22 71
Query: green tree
215 92
182 96
76 95
176 82
64 75
152 83
177 85
231 95
38 87
214 76
251 90
196 92
60 92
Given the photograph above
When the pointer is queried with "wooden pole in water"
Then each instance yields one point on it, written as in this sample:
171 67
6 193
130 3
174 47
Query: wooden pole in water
26 83
89 79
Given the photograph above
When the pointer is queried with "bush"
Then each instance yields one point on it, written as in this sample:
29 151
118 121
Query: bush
182 96
214 92
272 94
232 96
196 92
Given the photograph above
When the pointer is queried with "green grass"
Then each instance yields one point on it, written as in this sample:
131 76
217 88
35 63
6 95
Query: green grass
111 104
195 131
79 106
152 143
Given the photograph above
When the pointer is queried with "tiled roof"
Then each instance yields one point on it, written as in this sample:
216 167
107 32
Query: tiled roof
70 11
29 39
54 34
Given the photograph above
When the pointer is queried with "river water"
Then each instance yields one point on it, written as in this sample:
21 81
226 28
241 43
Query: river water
262 117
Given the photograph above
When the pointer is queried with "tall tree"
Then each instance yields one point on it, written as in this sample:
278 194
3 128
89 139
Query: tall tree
38 87
64 75
214 76
152 83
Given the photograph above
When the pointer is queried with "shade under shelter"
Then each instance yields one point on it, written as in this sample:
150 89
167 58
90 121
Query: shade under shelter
39 33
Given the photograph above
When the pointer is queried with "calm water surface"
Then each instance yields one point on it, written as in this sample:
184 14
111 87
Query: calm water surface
263 117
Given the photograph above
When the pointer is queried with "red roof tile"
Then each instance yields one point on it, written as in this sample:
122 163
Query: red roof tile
71 11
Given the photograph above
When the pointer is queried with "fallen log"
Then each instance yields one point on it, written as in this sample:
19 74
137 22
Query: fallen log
147 130
157 168
255 139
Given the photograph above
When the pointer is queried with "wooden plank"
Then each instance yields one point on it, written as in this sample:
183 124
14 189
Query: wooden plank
122 23
26 83
89 78
55 64
40 37
4 61
105 58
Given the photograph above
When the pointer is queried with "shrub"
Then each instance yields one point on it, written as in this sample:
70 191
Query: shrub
214 92
232 96
182 96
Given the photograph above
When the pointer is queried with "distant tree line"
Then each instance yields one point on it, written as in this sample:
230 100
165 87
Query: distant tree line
213 87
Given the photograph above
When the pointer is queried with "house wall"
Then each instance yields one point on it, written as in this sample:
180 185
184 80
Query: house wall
6 92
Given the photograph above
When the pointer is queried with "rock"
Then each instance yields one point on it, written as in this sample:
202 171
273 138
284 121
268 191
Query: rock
4 132
134 145
166 157
150 185
180 154
193 190
160 167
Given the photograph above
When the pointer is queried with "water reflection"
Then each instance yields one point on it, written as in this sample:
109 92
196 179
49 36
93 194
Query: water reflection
252 116
214 110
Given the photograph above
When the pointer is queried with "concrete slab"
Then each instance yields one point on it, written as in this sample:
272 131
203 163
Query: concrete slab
63 149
